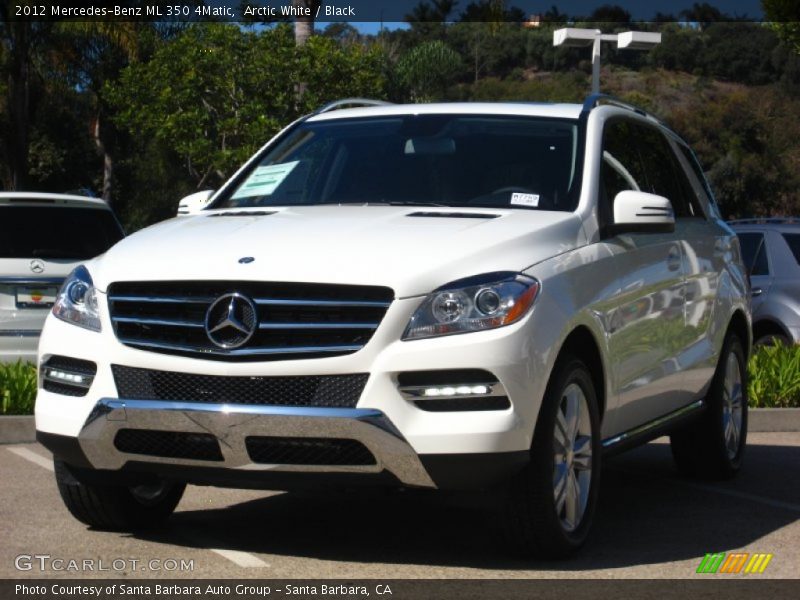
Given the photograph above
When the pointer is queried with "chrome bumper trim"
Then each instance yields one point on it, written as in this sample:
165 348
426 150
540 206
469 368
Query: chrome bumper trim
20 332
232 423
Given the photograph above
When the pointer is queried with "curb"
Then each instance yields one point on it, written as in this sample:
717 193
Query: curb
17 430
21 429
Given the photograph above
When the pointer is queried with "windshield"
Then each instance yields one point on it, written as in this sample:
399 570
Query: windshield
444 160
56 232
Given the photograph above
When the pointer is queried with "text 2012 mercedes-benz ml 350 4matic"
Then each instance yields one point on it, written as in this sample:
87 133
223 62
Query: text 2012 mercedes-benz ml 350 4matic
443 296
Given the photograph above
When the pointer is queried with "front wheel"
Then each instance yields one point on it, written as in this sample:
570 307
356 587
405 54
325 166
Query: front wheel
552 501
116 507
713 447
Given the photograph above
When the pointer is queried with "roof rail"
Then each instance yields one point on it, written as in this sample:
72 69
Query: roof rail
337 104
766 221
598 99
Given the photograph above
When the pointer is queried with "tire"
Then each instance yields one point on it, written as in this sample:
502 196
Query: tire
772 339
714 446
115 507
537 525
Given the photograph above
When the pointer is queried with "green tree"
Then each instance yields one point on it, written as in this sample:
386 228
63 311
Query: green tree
216 93
428 69
784 17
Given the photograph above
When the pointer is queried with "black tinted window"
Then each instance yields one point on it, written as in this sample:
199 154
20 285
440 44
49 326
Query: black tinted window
754 253
793 239
453 160
639 157
56 232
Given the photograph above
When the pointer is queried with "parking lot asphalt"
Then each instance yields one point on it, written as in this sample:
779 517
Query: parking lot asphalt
651 523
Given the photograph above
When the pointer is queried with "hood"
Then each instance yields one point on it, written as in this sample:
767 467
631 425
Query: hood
367 245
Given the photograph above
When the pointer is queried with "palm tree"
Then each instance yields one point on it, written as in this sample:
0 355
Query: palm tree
304 26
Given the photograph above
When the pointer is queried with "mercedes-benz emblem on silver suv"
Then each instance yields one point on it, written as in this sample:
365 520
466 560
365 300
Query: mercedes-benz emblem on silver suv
231 321
37 266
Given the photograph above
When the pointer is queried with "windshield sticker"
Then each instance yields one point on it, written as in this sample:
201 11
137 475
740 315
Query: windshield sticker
518 199
265 180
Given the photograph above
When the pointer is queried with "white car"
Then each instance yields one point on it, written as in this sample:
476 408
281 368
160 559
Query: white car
442 296
43 237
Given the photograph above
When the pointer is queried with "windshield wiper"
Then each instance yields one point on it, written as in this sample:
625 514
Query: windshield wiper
54 253
415 203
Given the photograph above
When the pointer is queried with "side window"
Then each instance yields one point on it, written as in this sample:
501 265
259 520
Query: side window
754 253
793 240
638 157
692 196
698 171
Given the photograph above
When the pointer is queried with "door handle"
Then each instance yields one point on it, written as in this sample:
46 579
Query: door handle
674 260
756 291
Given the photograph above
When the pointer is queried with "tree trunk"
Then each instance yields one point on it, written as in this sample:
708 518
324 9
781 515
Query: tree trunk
108 161
19 105
304 25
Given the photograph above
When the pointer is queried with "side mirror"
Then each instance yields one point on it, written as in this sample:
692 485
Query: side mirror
194 203
640 212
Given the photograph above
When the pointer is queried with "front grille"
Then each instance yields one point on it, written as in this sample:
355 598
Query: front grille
168 444
334 391
292 320
308 451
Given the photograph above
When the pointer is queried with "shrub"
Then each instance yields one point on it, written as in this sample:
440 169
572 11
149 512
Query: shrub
774 377
17 388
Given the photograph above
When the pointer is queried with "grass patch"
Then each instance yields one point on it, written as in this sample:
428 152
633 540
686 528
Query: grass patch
774 377
17 388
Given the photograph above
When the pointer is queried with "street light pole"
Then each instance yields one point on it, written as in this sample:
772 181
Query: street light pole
573 37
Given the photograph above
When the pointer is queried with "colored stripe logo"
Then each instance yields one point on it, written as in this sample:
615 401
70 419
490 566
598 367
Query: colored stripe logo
734 563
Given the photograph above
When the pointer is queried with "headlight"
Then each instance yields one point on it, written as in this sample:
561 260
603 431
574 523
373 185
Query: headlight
473 304
77 301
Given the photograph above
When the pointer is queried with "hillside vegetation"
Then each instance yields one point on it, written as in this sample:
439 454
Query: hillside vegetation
144 113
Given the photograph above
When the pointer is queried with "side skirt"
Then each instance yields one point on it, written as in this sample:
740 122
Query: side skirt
653 429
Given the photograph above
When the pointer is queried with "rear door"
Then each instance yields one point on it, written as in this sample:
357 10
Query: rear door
756 260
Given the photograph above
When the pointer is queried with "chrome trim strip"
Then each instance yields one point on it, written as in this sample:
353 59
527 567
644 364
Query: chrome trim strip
607 443
417 392
241 351
334 325
262 301
163 299
337 303
33 281
231 424
157 321
20 332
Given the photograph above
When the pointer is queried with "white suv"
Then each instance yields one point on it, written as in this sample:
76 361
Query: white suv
42 238
451 296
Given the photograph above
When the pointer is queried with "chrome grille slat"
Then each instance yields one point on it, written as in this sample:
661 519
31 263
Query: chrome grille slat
293 320
318 326
337 303
166 322
240 351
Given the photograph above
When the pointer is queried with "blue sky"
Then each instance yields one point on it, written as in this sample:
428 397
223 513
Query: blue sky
393 11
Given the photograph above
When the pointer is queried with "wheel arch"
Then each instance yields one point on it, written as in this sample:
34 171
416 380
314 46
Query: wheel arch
581 343
740 326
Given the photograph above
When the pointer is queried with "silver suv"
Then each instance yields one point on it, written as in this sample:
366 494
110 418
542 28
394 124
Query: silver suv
42 238
771 251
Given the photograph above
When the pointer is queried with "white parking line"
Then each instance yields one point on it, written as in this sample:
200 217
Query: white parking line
242 559
237 557
37 459
742 495
716 490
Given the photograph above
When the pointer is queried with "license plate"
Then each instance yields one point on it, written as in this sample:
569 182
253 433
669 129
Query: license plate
36 297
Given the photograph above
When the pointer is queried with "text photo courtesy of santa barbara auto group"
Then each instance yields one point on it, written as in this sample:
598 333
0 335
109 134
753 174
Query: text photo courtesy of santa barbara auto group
402 299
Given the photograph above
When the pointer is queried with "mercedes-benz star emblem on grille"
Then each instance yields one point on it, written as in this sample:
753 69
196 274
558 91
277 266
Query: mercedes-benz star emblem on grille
37 266
231 321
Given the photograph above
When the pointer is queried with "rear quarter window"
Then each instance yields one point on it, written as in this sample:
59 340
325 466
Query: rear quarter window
56 232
